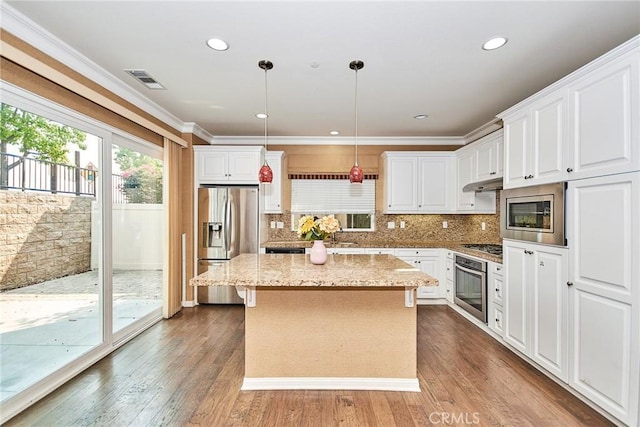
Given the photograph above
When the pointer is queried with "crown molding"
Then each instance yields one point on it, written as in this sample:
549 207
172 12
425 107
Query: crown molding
321 140
631 45
30 32
194 128
484 130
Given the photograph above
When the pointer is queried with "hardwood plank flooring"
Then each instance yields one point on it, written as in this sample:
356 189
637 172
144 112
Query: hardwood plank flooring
187 371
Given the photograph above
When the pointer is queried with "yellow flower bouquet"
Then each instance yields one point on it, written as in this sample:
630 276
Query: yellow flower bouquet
314 228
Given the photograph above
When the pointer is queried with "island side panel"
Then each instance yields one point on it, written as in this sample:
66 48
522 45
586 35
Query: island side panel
329 332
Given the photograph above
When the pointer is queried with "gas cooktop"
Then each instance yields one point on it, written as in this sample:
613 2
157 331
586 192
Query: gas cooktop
490 249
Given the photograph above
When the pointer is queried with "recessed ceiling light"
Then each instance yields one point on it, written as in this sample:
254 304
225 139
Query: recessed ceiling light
261 115
217 44
334 132
494 43
421 116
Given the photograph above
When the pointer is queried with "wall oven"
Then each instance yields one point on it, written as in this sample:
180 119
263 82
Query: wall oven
471 286
534 214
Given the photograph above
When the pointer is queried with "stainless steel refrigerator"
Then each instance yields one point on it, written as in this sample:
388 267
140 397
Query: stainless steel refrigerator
227 227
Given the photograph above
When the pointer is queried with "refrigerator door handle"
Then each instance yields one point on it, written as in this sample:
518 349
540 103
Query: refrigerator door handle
227 223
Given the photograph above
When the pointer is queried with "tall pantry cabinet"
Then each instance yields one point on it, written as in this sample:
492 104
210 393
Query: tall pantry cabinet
585 130
603 219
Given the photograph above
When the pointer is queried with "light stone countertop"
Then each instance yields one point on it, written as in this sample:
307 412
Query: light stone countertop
454 246
290 270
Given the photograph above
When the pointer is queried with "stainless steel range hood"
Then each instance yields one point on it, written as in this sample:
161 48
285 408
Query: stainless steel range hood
487 185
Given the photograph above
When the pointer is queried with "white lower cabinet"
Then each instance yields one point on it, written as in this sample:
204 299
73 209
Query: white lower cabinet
380 251
535 301
428 261
352 251
603 231
495 285
449 291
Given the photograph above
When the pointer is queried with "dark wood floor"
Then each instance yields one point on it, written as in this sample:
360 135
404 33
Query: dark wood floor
188 371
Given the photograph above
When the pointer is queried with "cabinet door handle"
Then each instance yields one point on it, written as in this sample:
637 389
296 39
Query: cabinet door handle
498 268
492 173
569 170
528 252
569 283
497 290
419 206
389 205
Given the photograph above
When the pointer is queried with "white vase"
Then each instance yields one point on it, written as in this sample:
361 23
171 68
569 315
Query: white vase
318 254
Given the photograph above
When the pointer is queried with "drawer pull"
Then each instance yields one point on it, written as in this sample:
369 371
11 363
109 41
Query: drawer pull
569 283
569 170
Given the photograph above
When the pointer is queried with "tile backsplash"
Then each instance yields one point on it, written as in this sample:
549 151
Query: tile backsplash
460 228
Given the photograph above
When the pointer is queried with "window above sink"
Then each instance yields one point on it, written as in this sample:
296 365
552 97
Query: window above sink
353 205
348 221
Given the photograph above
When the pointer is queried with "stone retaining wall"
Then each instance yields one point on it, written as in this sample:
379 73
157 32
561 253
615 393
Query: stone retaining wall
42 237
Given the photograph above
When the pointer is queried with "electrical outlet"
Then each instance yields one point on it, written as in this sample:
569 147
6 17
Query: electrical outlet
483 226
445 224
391 225
280 224
273 224
402 224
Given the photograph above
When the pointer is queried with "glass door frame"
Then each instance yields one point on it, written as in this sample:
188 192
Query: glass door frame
25 100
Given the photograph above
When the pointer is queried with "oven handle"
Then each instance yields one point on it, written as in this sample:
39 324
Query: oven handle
468 270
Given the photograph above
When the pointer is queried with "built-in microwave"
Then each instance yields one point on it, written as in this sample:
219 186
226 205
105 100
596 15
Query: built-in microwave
534 214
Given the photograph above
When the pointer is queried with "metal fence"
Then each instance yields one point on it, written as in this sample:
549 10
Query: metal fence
118 194
26 173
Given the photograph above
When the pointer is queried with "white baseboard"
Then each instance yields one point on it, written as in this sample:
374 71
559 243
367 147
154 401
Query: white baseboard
331 383
188 303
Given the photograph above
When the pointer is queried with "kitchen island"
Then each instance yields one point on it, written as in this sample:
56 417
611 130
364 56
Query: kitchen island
348 324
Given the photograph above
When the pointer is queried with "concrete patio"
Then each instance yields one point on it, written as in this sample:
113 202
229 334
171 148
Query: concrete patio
47 325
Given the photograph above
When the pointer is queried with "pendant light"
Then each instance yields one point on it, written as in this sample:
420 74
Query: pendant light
356 175
266 174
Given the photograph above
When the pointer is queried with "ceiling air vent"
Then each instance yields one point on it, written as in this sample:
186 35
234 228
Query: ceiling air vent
145 78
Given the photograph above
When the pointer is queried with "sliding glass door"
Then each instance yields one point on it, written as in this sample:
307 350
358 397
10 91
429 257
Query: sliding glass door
137 215
81 226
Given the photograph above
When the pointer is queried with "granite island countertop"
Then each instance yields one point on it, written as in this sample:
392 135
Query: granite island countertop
295 270
454 246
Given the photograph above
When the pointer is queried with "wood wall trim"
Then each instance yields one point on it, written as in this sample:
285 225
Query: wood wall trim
29 62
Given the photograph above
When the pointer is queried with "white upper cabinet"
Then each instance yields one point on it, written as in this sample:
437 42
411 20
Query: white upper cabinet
273 191
418 182
465 200
227 165
435 181
604 116
534 143
488 156
400 183
466 172
585 125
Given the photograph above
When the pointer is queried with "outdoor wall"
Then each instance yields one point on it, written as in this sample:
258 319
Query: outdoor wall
137 237
42 237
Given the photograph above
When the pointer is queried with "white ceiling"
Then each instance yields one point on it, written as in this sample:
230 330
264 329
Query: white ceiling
420 57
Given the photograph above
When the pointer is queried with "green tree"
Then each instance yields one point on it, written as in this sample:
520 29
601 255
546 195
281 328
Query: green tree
142 176
47 140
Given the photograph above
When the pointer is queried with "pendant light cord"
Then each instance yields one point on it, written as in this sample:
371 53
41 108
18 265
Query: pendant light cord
266 113
356 120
